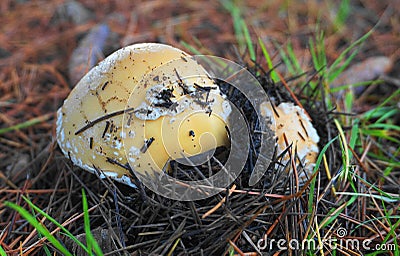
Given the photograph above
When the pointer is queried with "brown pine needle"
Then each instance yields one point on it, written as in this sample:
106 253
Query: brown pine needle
219 204
236 248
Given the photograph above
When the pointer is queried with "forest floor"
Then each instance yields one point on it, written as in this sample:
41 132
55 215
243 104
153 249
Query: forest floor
316 49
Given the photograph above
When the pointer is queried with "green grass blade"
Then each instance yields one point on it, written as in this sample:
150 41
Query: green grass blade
191 48
26 124
274 75
387 115
349 101
249 43
240 28
286 60
335 71
384 126
370 114
354 136
235 14
237 21
90 240
316 167
336 68
381 134
293 59
331 218
317 50
62 228
372 186
345 151
45 248
2 251
39 227
205 58
380 197
86 220
314 56
393 228
342 14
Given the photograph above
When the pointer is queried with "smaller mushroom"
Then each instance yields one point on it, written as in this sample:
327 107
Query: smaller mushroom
293 128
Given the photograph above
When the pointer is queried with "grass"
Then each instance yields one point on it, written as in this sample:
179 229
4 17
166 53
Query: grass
2 251
274 76
377 124
242 34
91 244
316 168
26 124
345 153
39 227
342 14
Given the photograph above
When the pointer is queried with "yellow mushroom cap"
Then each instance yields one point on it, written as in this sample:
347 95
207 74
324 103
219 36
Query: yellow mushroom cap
141 106
292 126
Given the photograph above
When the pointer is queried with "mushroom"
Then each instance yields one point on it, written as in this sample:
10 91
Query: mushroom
140 107
293 127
